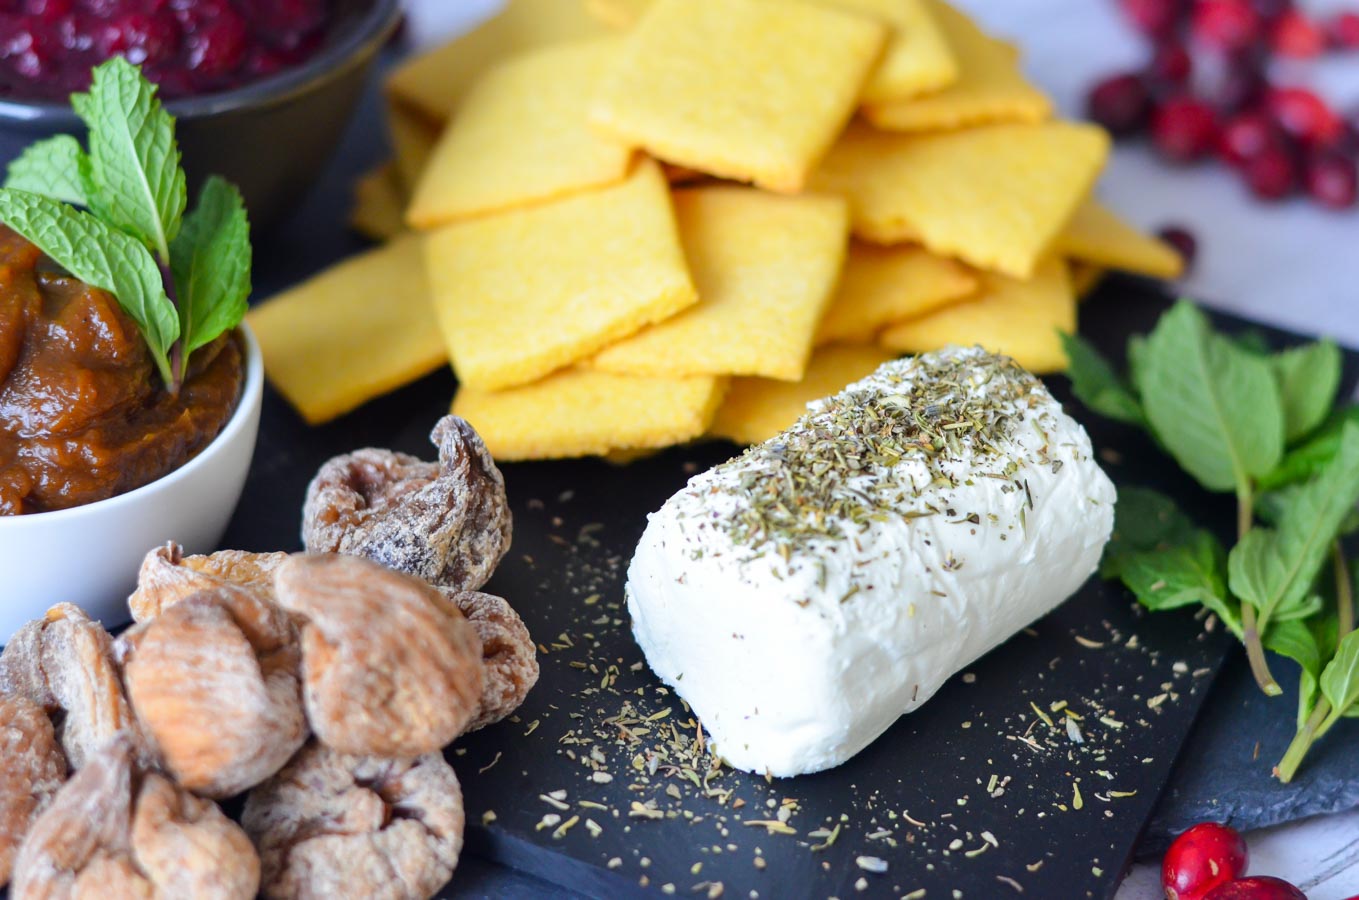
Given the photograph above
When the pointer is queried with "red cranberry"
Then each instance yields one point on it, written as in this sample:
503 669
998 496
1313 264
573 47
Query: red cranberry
1183 129
1343 31
1182 241
1170 66
172 82
1200 860
47 11
1247 136
1257 887
1120 104
1297 36
1331 179
1227 25
216 46
278 17
1304 115
1272 175
1269 10
261 61
140 38
1155 17
1240 85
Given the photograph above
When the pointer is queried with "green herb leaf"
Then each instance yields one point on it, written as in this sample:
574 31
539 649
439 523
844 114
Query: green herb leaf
102 257
1340 679
1177 576
1273 569
1215 406
1097 385
211 262
1296 641
1311 457
134 160
1308 378
1271 506
50 167
1252 340
1143 520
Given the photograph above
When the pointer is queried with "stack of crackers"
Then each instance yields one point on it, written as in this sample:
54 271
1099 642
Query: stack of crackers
632 223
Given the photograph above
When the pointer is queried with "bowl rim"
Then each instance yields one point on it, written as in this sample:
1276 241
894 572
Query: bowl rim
252 395
364 39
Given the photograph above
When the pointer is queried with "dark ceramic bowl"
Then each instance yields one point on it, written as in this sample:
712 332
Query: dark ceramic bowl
271 137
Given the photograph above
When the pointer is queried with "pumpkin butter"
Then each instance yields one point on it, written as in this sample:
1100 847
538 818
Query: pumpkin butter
84 415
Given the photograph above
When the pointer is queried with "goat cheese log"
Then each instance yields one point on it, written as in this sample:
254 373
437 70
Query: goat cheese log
805 594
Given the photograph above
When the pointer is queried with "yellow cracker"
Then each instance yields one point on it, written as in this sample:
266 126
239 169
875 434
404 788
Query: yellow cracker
521 138
577 412
764 266
915 59
1019 318
756 409
354 332
693 85
529 291
990 86
1097 234
881 285
379 207
995 197
1085 278
413 140
434 82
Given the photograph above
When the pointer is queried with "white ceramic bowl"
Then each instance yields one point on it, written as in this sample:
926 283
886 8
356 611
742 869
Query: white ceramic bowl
89 555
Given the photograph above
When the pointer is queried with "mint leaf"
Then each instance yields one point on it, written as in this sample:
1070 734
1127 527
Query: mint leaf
1340 679
1307 459
1097 385
1143 520
210 258
1273 569
1272 506
50 167
1296 641
1308 378
1253 341
134 160
1177 576
102 257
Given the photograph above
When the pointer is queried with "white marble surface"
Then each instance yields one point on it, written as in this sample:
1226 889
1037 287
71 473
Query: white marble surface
1291 264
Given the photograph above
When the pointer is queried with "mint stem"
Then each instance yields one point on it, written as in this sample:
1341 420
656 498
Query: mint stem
178 363
1250 633
1344 594
1302 742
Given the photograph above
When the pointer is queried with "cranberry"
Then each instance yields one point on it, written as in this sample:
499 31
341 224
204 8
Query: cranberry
1183 242
172 82
1272 175
1241 85
1297 36
1257 887
1155 17
1269 10
1247 136
1331 179
1304 115
1201 859
261 61
1170 66
1183 129
278 17
140 38
1227 25
216 45
1343 31
48 11
1120 104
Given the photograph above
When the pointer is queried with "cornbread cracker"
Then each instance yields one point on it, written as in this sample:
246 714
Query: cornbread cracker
379 207
693 85
413 140
1098 235
354 332
1085 277
756 409
995 197
764 266
577 412
521 137
1019 318
882 285
433 83
528 291
989 88
617 13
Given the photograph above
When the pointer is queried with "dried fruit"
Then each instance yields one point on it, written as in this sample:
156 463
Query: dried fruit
389 669
115 831
1272 175
507 654
331 825
168 576
34 769
1183 129
1297 36
1330 179
1155 17
1171 66
448 523
64 662
1342 30
1202 858
1120 104
215 683
1304 115
1183 241
1226 25
1249 136
1257 887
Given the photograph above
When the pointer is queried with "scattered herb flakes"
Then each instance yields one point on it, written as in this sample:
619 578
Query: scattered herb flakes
871 864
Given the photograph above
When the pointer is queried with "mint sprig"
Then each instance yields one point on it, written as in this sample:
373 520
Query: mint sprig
183 280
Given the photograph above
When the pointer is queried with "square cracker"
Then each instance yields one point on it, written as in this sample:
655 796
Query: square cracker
881 285
433 83
379 207
989 88
528 291
1019 318
764 266
354 332
1096 234
521 138
752 90
756 409
995 197
577 412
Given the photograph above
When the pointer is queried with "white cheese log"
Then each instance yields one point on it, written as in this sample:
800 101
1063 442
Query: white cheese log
874 585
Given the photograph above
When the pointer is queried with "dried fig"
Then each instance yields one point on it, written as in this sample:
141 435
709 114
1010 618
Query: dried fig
64 662
507 654
168 576
116 831
33 770
215 681
332 826
446 522
388 668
